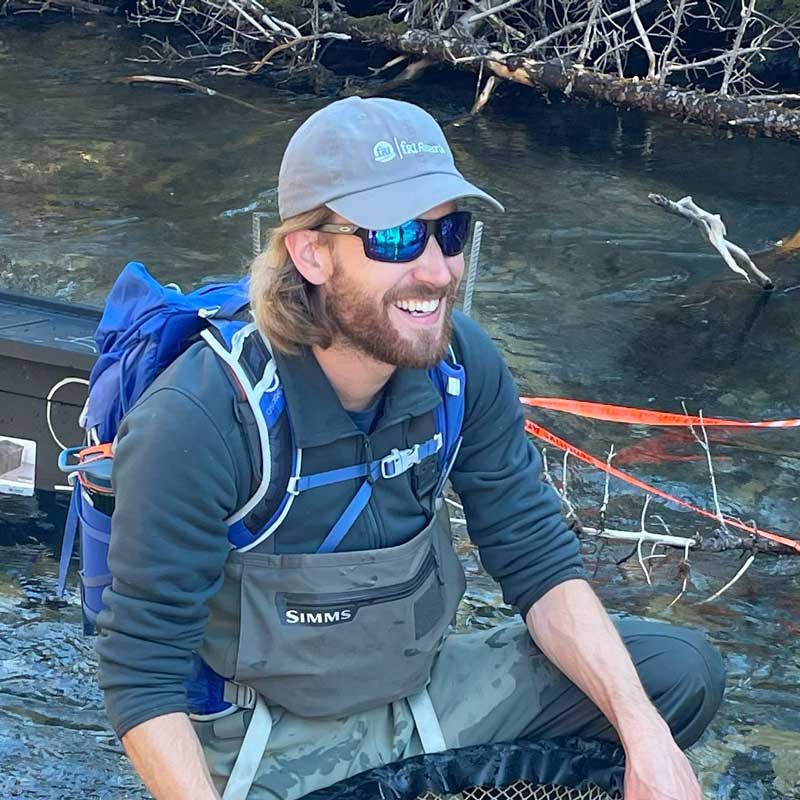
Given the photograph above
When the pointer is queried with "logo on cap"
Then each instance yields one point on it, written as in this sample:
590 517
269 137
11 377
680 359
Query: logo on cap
383 152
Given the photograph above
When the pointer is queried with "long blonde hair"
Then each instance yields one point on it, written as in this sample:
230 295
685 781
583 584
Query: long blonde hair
287 308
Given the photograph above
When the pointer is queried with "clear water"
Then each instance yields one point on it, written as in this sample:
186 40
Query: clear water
590 291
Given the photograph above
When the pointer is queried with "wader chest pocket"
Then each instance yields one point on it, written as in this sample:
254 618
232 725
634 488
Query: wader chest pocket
337 608
366 635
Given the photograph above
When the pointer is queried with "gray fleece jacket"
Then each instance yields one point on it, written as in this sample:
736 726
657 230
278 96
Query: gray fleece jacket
184 464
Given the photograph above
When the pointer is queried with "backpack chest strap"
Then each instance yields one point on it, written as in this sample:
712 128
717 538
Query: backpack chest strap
395 464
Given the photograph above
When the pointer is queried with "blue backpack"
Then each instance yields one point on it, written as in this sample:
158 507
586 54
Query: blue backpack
145 326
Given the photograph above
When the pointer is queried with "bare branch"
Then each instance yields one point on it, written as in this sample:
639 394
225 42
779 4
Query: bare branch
645 41
747 564
473 18
713 228
312 37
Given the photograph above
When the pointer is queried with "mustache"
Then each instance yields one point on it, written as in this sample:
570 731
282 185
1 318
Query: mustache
422 291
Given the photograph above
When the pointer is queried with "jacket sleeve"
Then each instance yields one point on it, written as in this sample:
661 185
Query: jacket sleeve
513 516
176 471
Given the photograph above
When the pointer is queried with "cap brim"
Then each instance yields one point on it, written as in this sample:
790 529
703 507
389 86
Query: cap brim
394 203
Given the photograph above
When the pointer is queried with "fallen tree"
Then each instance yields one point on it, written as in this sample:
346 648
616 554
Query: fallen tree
631 53
750 113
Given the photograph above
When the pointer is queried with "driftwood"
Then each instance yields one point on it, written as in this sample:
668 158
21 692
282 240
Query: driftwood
721 538
713 228
193 86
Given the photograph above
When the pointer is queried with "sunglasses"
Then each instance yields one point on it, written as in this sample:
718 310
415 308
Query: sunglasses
407 242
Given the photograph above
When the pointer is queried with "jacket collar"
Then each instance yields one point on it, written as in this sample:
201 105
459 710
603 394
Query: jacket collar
317 416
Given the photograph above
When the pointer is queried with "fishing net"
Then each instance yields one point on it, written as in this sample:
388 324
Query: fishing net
523 790
565 769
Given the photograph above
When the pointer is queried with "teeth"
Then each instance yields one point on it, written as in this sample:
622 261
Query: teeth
418 306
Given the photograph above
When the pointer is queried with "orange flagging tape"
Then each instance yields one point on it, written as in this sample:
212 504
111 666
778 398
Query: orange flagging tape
641 416
542 433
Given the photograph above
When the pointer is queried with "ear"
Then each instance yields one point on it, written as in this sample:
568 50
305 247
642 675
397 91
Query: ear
312 259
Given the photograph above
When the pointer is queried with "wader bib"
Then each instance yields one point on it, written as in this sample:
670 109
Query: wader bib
333 634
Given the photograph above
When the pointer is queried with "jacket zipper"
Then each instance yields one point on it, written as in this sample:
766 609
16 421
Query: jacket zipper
374 526
398 591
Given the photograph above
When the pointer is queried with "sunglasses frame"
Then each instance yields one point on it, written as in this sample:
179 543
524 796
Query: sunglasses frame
432 228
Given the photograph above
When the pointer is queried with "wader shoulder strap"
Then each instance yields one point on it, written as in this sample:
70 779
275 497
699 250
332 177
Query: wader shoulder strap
251 753
426 722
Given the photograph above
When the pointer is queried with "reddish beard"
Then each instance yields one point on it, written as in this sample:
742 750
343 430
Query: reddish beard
364 324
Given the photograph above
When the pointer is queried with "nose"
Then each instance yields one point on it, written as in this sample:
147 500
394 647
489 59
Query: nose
433 267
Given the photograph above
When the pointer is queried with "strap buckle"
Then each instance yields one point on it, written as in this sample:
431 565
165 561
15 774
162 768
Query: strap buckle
399 461
239 694
291 487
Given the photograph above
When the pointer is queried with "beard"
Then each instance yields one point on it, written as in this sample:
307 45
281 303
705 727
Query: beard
363 324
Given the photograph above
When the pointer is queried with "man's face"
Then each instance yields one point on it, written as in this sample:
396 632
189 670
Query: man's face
372 303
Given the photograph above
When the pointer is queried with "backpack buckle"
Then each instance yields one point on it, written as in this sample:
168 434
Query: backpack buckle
239 694
399 461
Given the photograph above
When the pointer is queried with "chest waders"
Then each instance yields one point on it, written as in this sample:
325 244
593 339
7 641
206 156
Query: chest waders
326 634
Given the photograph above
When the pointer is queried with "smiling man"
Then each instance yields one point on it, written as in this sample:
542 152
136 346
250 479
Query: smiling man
317 442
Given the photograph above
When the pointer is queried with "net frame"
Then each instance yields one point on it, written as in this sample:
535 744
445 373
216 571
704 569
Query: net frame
559 769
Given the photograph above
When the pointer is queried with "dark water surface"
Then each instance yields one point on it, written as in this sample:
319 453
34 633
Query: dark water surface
590 291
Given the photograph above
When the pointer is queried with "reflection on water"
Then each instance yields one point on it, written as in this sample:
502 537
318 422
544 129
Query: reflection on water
590 291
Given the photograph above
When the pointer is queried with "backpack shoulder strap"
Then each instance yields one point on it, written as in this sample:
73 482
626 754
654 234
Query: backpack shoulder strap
450 379
248 356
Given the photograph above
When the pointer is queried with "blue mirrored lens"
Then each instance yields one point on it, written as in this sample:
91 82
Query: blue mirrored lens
402 243
453 232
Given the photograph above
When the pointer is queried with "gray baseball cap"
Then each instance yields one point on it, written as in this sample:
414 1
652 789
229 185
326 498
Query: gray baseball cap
377 162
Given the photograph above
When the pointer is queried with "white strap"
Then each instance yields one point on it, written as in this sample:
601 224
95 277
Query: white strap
269 381
428 727
232 360
253 747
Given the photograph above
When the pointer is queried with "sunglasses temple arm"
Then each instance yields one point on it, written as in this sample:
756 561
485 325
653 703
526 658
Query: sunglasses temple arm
472 269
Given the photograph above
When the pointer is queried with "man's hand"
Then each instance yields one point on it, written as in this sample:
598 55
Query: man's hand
573 630
657 769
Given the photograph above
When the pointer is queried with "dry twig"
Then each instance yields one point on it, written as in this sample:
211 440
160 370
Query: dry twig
187 84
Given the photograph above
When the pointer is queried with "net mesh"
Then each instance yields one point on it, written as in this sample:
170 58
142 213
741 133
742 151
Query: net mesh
523 790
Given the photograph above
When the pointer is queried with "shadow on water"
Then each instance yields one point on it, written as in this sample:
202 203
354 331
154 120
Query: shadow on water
589 290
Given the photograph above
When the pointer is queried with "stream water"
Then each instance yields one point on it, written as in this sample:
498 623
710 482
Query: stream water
590 291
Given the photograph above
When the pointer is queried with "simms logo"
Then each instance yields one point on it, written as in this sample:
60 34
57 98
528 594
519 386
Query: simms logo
295 617
383 151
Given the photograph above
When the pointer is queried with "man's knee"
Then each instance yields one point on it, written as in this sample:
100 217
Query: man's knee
684 676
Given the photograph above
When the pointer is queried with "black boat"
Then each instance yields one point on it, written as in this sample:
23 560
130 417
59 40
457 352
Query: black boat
42 342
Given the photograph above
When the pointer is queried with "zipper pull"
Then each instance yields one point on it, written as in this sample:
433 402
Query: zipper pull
368 457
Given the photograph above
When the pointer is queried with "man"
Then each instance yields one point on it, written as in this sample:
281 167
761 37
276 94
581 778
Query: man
326 629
